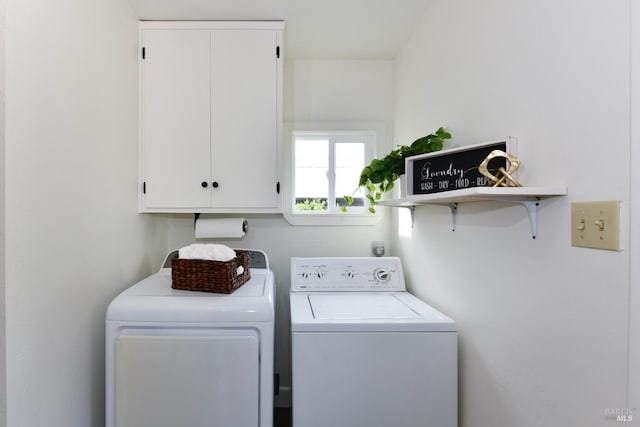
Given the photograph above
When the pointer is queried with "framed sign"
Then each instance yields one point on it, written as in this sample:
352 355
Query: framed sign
456 168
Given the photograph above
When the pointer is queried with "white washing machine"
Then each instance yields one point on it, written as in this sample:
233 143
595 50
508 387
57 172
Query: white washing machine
197 359
365 352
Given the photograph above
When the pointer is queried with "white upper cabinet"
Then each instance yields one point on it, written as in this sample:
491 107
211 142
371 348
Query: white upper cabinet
175 116
210 116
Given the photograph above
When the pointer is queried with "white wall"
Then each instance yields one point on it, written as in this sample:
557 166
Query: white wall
313 91
3 371
634 303
542 325
73 237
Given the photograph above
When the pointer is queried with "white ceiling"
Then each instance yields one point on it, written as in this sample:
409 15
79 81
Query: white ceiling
315 29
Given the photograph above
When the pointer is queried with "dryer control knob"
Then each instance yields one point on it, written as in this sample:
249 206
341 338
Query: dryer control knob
382 274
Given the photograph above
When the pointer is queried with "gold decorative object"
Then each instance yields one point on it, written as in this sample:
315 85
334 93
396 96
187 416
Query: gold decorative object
503 178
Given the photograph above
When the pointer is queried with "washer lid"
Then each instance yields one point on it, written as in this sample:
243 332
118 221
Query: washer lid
367 312
153 300
359 307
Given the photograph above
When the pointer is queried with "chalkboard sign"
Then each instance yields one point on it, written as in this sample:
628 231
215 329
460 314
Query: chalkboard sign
456 168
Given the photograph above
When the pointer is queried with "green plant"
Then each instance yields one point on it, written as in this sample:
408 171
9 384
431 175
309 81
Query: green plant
379 176
312 205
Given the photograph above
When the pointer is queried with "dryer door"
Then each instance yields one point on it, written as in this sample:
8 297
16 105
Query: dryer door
196 381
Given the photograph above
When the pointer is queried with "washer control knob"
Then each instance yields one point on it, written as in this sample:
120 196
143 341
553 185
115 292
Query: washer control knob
382 275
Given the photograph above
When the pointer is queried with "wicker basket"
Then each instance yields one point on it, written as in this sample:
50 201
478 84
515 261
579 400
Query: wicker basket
210 276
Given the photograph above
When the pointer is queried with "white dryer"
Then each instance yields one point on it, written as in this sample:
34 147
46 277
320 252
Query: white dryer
197 359
364 351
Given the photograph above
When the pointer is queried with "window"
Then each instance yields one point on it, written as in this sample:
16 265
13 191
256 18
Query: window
323 164
326 167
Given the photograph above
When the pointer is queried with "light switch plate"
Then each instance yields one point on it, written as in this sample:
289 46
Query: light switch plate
596 225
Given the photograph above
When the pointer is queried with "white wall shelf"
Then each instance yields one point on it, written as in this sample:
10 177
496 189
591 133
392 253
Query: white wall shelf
529 197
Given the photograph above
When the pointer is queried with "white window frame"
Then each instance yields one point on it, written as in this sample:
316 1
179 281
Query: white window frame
354 215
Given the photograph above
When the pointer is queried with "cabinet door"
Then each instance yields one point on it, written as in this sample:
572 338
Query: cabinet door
175 112
244 117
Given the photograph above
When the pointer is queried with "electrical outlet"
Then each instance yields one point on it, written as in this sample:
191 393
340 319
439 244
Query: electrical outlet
596 225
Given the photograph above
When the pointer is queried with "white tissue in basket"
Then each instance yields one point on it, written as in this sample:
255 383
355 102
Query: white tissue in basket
210 252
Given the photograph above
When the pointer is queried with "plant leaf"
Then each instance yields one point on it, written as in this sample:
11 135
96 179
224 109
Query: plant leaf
377 165
370 187
376 177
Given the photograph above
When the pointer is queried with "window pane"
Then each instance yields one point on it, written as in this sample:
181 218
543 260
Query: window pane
350 158
312 166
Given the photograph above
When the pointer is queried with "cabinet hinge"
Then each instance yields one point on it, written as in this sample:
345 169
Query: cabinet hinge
144 187
278 187
144 53
277 51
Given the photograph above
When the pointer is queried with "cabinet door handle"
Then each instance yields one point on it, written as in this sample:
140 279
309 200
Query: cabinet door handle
204 184
215 184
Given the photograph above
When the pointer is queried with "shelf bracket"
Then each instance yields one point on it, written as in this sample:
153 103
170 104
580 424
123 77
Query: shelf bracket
454 212
412 212
531 205
532 208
